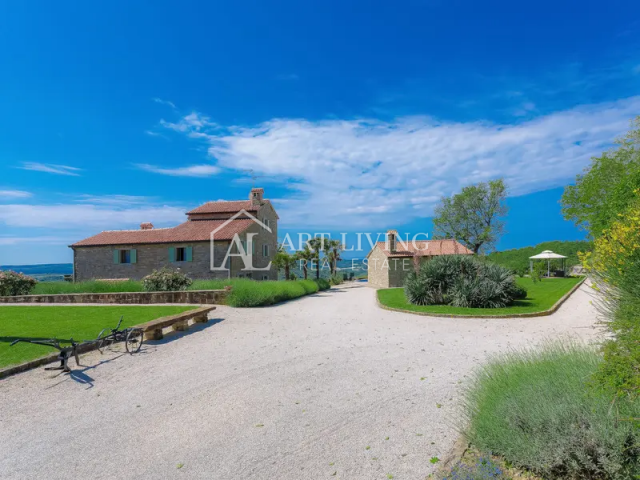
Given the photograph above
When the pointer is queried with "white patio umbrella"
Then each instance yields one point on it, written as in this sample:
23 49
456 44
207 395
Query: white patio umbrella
548 255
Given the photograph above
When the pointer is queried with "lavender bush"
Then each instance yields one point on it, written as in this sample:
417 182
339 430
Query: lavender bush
483 469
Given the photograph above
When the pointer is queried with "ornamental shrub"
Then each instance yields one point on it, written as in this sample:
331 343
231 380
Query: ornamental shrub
462 281
336 279
14 283
165 280
534 409
614 265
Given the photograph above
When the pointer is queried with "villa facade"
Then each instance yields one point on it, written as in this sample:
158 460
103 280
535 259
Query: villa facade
133 254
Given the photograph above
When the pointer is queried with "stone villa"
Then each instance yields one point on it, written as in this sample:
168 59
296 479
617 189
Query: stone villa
389 265
132 254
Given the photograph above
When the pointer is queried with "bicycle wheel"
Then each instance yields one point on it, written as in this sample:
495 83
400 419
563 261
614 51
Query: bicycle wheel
105 340
134 340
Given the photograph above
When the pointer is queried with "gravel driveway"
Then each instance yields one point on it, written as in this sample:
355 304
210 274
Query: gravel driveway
328 386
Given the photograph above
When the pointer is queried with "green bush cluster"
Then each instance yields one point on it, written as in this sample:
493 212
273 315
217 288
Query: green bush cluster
337 279
165 280
14 283
462 281
536 411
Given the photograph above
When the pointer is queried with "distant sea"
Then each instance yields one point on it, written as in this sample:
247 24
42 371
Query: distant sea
45 273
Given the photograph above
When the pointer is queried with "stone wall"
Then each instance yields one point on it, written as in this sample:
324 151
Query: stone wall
201 297
385 272
97 262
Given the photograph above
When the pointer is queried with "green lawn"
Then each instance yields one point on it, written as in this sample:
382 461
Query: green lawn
79 323
541 296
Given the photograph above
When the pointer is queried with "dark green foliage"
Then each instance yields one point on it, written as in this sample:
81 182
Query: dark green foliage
474 216
519 292
606 187
165 280
336 279
13 283
536 411
518 259
461 281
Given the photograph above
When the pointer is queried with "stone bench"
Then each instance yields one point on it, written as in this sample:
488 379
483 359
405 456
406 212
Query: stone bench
153 330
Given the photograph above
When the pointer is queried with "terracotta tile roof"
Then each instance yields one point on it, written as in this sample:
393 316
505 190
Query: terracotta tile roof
426 248
227 207
189 231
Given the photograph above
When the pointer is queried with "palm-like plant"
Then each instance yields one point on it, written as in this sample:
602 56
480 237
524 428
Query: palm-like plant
334 255
305 255
283 260
316 245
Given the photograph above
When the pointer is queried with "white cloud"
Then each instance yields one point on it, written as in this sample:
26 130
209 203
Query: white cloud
367 172
51 168
191 171
88 217
6 240
115 200
14 194
164 102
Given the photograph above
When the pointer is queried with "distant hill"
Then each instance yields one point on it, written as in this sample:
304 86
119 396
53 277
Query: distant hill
518 258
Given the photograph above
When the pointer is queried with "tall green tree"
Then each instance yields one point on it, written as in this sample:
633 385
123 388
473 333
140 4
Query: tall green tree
473 216
605 188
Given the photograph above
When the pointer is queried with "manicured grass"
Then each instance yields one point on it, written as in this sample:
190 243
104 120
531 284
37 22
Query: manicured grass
540 296
245 292
79 323
538 410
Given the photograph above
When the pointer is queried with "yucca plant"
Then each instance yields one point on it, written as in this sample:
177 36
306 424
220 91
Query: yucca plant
462 281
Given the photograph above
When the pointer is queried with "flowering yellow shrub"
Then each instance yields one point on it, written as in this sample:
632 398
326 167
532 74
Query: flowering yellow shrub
618 248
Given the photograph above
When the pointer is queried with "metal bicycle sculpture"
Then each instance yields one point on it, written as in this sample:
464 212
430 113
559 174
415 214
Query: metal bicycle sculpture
132 338
63 356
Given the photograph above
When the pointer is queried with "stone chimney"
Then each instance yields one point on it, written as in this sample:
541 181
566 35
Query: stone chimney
256 196
392 236
146 226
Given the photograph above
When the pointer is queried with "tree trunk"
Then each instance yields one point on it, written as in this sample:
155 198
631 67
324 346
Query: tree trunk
287 272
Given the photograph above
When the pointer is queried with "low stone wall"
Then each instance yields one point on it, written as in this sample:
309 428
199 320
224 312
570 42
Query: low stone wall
201 297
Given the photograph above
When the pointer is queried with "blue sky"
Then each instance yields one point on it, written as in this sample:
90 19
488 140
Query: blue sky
357 115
